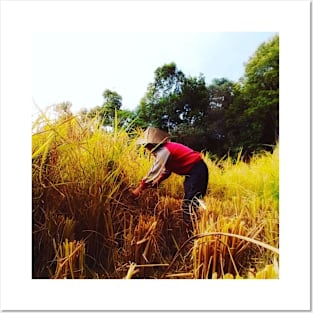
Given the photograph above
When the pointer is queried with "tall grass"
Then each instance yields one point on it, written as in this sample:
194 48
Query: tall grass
86 224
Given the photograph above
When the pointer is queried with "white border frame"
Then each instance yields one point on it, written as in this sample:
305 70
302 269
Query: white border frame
291 19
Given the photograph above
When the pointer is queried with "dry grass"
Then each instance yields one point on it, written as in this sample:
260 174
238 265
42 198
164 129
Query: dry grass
86 225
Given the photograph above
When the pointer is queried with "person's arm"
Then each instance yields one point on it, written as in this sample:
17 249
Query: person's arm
164 175
157 172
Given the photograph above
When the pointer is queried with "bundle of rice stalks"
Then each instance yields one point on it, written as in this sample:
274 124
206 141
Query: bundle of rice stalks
78 176
70 259
225 245
81 176
49 231
141 243
170 219
269 272
131 271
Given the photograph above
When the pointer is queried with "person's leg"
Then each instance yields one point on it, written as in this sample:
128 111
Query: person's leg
195 186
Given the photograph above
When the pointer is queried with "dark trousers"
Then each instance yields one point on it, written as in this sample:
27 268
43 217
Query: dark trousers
195 185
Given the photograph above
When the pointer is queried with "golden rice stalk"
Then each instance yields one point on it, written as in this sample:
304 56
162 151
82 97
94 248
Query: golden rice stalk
180 275
70 258
131 271
269 272
256 242
228 276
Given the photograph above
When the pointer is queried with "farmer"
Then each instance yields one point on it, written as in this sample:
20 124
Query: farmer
172 157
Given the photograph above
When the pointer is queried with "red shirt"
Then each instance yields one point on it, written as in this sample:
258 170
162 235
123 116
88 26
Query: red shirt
181 158
171 157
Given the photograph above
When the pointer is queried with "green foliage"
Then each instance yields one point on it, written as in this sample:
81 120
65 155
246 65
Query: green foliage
112 103
193 100
252 118
223 117
160 105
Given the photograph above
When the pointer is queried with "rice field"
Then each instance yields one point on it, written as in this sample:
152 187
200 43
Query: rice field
86 224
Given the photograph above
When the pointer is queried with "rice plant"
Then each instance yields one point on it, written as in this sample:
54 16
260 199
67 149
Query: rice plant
87 225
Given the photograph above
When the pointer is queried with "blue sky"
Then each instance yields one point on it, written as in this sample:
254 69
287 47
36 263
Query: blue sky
78 66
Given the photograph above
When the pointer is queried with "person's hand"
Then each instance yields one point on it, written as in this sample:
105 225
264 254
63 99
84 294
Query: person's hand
154 185
135 192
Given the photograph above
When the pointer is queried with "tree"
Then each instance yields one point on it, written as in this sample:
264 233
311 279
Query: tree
184 106
159 107
194 100
220 93
63 109
220 96
192 107
253 117
127 119
112 104
262 85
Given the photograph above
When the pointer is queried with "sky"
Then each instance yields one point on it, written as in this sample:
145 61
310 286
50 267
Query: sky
78 66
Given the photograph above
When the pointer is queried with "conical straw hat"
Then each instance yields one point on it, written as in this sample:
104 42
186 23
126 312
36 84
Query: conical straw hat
154 136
